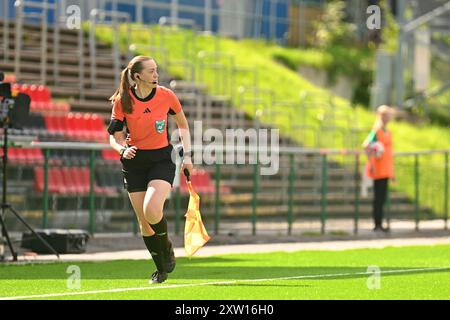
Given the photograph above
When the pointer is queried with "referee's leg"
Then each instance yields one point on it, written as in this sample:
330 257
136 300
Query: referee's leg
157 193
148 235
155 197
137 201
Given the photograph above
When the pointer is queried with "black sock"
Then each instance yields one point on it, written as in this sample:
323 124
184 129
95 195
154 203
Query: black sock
160 229
153 245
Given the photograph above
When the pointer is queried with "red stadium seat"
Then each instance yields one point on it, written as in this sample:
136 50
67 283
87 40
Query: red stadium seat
201 181
45 107
37 156
70 128
97 122
61 124
85 176
28 155
92 134
55 124
95 127
39 179
17 155
52 181
72 186
12 155
76 128
25 88
79 180
43 94
33 93
59 181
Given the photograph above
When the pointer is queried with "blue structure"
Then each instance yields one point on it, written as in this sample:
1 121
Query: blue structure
11 11
251 27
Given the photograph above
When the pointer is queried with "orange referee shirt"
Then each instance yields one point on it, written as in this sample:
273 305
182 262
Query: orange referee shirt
382 167
147 125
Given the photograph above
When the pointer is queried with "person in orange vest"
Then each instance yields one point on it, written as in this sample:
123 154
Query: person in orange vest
380 164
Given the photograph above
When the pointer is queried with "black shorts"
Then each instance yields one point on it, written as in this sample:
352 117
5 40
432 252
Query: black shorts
146 166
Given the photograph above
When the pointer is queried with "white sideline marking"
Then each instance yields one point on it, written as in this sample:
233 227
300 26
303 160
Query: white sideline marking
213 283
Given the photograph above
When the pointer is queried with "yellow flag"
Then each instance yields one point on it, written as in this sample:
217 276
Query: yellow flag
195 235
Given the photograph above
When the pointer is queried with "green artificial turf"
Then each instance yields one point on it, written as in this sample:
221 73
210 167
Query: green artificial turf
317 275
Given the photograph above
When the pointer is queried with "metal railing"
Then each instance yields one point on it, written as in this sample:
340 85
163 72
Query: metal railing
98 17
188 43
20 14
428 187
158 51
406 30
5 31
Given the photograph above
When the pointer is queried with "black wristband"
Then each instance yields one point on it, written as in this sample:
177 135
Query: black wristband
121 152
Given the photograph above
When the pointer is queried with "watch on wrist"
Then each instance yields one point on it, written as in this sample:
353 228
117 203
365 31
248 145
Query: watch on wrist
122 151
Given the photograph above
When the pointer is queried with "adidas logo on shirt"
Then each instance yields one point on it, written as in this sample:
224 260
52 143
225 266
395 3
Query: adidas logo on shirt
147 110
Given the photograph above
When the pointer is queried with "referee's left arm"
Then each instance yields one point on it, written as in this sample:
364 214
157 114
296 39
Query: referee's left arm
183 127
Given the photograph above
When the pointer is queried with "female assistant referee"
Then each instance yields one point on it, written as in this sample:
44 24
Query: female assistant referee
148 170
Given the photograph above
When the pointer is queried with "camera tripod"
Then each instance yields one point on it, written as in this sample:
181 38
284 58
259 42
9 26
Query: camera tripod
5 205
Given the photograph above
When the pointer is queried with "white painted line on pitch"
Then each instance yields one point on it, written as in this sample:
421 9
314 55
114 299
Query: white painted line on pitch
214 283
346 274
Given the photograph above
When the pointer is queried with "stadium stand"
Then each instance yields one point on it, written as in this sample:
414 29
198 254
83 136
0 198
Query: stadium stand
61 112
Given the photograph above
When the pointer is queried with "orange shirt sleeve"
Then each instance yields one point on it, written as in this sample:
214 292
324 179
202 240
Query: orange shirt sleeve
175 105
117 112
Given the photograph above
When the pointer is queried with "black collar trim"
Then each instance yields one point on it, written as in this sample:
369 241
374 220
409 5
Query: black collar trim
147 98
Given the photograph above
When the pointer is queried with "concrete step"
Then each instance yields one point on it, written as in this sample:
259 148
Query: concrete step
277 184
401 210
36 28
64 70
181 86
69 57
301 173
332 198
34 38
74 93
299 212
33 32
65 81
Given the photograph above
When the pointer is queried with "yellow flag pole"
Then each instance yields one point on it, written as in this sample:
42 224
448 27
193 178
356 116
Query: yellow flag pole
195 234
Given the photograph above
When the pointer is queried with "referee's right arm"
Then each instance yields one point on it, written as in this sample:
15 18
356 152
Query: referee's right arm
115 129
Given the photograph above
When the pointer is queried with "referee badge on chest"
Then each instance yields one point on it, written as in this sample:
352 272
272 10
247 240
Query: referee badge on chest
160 124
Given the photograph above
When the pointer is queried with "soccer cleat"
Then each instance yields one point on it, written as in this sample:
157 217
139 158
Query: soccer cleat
158 277
170 258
